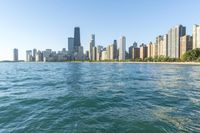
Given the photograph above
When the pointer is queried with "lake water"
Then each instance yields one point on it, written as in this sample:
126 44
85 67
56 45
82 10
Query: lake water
84 97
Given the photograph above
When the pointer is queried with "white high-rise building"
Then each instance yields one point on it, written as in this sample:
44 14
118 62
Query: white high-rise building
196 36
39 57
122 48
92 44
165 45
29 55
174 36
104 55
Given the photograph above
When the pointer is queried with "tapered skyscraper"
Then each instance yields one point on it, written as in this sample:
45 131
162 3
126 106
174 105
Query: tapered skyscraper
77 40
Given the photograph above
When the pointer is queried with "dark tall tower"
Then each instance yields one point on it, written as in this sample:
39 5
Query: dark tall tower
77 41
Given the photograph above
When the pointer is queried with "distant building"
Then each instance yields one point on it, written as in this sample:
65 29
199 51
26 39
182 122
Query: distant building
71 45
143 51
77 40
86 55
34 54
135 53
15 55
108 52
135 44
122 48
39 56
92 44
196 36
80 53
150 50
131 49
94 53
29 55
115 52
165 45
159 42
111 52
99 52
47 55
104 55
174 36
185 44
155 50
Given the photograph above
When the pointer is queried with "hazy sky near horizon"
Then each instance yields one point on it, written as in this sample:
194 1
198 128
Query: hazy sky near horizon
42 24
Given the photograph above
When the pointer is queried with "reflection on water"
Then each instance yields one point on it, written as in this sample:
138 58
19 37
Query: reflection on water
92 97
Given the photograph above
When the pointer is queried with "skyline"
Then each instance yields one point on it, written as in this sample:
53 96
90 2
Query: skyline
52 23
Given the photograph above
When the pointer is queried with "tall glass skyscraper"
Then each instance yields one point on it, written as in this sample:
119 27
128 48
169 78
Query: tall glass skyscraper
77 41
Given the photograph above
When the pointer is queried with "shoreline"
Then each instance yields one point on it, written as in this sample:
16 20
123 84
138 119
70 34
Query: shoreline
172 63
107 62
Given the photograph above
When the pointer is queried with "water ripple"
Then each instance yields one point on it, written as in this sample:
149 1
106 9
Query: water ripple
92 97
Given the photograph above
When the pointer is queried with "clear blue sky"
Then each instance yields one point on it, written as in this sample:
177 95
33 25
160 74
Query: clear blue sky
41 24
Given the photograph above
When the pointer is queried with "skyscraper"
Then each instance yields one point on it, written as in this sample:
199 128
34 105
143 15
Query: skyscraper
115 49
165 45
174 36
143 51
94 53
159 42
135 53
122 48
131 49
39 56
99 52
29 55
185 44
196 36
150 50
77 41
15 54
80 53
34 54
71 45
108 52
92 44
111 53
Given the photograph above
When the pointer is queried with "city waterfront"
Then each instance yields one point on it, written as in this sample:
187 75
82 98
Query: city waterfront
99 97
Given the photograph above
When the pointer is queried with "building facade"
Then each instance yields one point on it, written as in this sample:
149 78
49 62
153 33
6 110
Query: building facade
135 53
185 44
71 46
77 40
15 55
122 48
143 51
174 36
92 44
196 36
29 55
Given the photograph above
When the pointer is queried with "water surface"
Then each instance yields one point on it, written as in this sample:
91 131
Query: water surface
105 97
